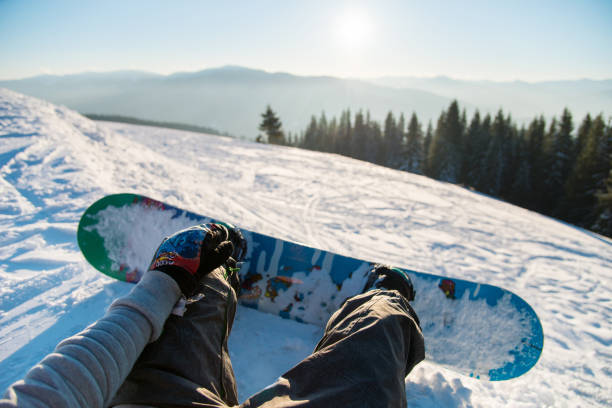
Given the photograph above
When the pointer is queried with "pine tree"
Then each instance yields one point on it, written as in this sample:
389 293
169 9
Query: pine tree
557 154
534 140
343 141
604 154
359 140
455 127
375 152
477 173
322 134
437 152
521 186
402 140
511 152
332 135
413 156
581 136
565 145
552 173
603 211
495 161
271 124
426 147
468 148
567 209
401 128
445 152
392 142
473 148
588 176
310 137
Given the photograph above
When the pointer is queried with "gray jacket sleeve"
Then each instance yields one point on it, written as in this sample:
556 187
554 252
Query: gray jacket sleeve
86 369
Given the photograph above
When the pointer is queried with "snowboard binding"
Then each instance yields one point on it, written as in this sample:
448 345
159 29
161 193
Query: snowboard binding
386 277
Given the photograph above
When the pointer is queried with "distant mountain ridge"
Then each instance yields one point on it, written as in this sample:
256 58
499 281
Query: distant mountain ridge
524 100
231 98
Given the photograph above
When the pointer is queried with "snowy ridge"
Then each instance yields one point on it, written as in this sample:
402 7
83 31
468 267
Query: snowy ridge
54 163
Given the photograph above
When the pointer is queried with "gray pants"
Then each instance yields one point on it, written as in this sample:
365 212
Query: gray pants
370 344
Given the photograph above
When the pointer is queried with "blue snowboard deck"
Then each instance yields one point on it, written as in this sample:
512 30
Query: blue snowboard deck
473 328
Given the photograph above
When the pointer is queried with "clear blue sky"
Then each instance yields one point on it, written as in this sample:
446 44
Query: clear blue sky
489 39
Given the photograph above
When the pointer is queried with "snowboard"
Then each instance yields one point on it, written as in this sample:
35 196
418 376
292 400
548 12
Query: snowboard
476 329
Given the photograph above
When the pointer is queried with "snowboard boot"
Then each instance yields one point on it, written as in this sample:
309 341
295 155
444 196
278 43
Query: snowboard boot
232 265
238 240
386 277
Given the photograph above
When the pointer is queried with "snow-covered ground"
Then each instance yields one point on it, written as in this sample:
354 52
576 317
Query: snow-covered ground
54 163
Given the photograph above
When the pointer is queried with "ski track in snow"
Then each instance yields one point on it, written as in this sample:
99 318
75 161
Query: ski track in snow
54 163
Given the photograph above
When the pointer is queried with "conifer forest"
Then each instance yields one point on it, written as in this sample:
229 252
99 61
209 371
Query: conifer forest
559 168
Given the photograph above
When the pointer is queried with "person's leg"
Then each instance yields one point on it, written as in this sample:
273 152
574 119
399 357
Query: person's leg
370 344
189 364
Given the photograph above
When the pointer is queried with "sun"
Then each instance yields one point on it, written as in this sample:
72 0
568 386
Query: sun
353 29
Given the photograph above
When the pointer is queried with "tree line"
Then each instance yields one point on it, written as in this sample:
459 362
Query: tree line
144 122
551 168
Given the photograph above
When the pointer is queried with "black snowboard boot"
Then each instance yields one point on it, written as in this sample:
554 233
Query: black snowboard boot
232 265
386 277
238 240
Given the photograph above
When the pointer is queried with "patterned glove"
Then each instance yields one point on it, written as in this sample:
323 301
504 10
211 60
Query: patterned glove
190 254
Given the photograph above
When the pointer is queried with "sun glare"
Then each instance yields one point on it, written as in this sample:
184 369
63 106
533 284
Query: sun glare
353 29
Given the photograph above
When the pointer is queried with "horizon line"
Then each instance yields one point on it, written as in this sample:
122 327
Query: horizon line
272 72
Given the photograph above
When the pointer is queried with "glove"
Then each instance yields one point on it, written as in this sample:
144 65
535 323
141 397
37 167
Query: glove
190 254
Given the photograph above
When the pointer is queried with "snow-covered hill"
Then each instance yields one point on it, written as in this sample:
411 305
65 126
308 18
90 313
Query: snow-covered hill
54 163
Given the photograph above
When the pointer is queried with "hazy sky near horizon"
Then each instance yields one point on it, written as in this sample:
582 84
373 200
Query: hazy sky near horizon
472 39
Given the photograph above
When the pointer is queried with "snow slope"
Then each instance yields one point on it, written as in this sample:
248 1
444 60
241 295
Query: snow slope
54 163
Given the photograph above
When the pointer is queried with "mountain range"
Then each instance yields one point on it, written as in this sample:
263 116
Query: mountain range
231 98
